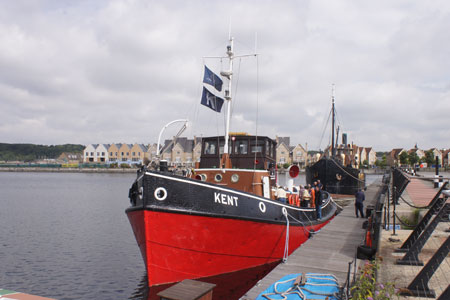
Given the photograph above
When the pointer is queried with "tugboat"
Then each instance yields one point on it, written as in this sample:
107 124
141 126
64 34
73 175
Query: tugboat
220 221
336 177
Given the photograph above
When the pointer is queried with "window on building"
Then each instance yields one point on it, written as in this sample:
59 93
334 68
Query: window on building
98 153
134 153
103 153
110 153
282 160
122 153
92 153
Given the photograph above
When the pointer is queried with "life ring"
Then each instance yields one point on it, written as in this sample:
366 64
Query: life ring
338 176
297 200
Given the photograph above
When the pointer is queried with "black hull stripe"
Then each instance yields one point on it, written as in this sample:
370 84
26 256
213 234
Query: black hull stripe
215 187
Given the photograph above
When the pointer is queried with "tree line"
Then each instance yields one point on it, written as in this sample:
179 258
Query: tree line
412 158
32 152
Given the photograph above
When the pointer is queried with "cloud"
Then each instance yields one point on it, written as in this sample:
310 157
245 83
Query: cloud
118 70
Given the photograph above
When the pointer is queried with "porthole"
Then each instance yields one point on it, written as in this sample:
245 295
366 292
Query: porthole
218 177
201 177
262 207
141 192
235 178
160 194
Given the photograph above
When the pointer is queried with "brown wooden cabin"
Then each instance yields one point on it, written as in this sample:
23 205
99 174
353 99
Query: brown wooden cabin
252 163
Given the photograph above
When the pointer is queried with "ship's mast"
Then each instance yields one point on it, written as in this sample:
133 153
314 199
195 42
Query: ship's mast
333 149
225 160
229 75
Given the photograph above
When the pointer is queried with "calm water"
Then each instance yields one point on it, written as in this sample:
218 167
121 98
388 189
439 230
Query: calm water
66 236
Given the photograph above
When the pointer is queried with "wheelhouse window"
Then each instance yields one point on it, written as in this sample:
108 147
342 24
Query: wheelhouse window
210 147
222 146
241 147
268 152
257 146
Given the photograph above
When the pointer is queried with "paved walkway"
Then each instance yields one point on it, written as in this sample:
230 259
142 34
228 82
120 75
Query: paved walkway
420 192
329 251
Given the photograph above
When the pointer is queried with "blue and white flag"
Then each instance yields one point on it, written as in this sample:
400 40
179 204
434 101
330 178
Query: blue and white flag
212 79
211 100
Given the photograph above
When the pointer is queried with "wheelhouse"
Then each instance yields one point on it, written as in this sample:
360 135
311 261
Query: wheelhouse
246 151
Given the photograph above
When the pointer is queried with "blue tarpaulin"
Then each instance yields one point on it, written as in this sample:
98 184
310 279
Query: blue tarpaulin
317 286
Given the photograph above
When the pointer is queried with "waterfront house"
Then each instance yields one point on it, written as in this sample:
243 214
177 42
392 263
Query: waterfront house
299 156
362 155
138 153
446 157
181 152
283 150
113 152
393 159
89 153
371 156
438 153
124 154
101 153
70 158
197 151
151 151
420 153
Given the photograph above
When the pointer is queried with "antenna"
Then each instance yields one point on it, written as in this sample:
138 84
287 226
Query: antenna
229 30
333 150
256 41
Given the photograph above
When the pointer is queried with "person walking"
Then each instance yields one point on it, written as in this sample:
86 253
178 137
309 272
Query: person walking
359 206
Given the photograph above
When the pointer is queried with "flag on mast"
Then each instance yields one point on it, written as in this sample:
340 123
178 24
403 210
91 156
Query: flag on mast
212 101
212 79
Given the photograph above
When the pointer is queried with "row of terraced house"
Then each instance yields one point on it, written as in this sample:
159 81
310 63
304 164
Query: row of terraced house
186 152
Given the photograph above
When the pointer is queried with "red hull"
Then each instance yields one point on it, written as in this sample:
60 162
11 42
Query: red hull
178 246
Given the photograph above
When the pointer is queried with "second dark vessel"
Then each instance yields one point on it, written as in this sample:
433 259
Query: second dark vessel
335 171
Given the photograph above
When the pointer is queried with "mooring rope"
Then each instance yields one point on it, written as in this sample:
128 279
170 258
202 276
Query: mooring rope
351 175
298 289
402 222
413 206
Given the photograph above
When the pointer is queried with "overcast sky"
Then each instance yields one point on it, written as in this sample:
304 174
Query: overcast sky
118 71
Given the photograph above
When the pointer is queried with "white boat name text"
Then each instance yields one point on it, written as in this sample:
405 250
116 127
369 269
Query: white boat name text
225 199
